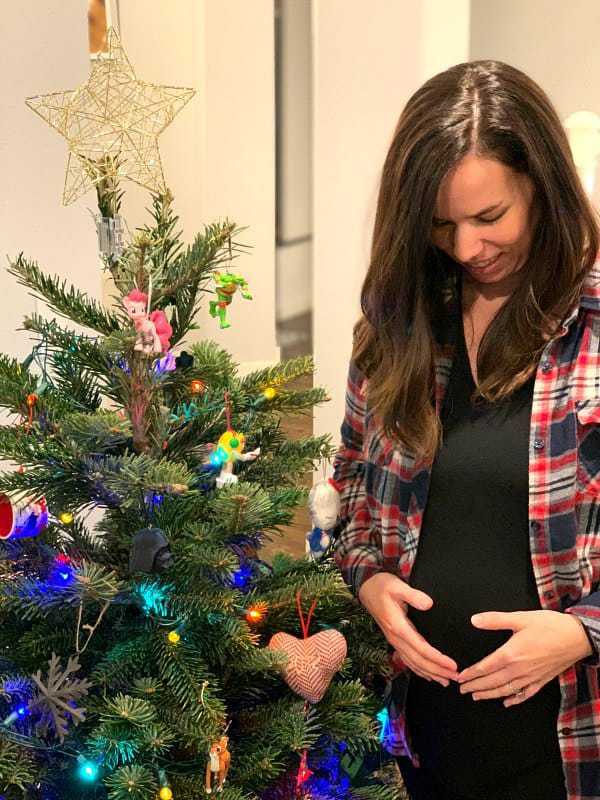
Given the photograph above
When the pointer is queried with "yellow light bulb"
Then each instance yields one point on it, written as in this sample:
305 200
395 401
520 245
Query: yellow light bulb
165 793
66 517
173 637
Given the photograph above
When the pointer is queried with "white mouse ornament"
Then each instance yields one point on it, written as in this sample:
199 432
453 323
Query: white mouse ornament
324 507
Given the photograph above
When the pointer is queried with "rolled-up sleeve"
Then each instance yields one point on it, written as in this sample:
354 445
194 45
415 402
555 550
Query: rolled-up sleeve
587 611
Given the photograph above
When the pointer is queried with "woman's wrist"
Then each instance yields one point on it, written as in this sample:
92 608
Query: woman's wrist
587 644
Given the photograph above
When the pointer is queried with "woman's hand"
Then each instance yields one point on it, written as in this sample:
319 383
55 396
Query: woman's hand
544 644
386 597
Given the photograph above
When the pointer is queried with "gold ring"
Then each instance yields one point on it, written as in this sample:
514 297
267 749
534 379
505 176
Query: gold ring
518 693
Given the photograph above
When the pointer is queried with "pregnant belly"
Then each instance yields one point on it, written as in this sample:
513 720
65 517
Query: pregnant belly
450 630
459 588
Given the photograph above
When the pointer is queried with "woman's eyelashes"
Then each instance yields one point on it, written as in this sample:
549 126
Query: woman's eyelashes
438 224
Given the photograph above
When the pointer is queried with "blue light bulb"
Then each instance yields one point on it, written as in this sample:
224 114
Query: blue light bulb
88 771
384 718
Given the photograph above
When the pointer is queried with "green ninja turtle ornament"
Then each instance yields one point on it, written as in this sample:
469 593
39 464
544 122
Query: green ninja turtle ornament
227 285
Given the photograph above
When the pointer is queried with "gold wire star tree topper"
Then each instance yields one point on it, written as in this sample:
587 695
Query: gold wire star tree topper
112 119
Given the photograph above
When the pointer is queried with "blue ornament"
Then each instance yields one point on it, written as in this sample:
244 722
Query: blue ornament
22 519
318 542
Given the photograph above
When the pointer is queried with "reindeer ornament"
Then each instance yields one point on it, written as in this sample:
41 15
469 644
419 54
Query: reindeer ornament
217 767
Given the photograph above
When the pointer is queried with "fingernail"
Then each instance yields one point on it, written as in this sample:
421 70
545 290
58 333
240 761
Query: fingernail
444 682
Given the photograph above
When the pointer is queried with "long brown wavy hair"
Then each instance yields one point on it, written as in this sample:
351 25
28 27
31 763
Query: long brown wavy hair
495 111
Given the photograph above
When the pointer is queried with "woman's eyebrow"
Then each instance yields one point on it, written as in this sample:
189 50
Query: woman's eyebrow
479 213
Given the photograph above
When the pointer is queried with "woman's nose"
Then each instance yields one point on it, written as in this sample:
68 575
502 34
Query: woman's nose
467 245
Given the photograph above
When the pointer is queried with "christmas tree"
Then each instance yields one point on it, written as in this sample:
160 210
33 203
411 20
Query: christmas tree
153 653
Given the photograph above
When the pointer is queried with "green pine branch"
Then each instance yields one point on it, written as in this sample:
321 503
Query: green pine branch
126 709
239 507
133 782
123 659
69 303
95 433
16 382
209 250
132 475
116 745
163 231
108 193
88 353
192 684
71 380
17 767
72 481
278 374
213 363
260 767
388 792
288 463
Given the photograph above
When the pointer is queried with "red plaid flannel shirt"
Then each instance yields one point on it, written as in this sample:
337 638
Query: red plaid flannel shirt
383 492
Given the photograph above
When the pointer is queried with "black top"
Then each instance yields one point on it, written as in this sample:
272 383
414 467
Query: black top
473 556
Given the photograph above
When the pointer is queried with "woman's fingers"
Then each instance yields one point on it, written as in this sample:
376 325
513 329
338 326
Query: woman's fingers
420 674
419 664
401 594
387 598
403 631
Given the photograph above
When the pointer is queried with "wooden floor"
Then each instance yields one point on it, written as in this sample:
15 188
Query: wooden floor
295 339
296 427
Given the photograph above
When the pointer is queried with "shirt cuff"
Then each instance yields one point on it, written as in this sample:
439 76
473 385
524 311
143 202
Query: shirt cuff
593 634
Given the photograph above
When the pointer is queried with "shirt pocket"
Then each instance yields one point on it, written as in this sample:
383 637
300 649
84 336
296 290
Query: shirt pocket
588 446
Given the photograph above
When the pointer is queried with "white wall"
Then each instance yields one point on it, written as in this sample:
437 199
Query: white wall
43 49
566 58
368 59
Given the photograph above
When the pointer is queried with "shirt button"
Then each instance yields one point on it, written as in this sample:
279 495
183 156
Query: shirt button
538 444
546 366
566 731
549 594
535 525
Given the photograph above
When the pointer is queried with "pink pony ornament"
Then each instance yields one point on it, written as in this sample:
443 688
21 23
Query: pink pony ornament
153 330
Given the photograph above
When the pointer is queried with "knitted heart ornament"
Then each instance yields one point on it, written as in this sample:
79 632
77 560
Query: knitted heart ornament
312 662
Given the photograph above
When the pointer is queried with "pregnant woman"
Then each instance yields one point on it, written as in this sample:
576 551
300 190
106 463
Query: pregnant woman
469 469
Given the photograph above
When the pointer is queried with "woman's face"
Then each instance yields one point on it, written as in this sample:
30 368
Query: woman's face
483 211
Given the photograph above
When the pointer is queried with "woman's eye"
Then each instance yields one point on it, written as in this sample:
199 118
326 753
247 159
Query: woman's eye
492 220
438 224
